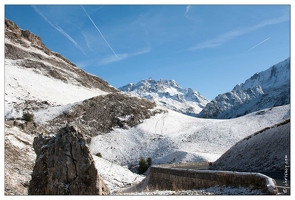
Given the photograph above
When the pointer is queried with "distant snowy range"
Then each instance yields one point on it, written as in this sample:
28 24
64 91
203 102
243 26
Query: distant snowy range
169 94
263 90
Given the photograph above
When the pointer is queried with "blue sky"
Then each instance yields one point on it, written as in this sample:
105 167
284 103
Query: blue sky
209 48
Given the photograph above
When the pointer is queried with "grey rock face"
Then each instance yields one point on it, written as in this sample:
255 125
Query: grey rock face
64 165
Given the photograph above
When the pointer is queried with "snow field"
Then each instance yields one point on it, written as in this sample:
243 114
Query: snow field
18 81
171 103
115 176
172 137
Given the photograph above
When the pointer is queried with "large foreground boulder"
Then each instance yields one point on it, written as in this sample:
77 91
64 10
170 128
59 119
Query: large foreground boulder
64 165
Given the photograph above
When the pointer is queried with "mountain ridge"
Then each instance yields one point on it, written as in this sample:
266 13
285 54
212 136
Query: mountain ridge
36 77
168 93
28 50
265 89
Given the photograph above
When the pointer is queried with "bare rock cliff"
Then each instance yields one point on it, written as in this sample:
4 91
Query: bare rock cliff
64 165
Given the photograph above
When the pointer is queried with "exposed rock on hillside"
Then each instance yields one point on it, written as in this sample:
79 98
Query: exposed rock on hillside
19 155
64 165
103 113
30 128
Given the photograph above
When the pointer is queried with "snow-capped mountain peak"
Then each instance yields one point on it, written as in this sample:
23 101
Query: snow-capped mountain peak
273 77
265 89
170 94
150 85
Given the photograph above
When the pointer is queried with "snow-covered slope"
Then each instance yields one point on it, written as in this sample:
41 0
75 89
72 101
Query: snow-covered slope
36 77
273 145
263 90
172 137
115 176
24 85
169 94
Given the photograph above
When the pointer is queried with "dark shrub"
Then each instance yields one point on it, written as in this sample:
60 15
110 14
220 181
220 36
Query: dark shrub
98 155
142 166
149 161
29 117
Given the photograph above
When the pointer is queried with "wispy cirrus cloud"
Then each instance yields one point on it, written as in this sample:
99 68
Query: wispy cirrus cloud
59 29
86 40
119 57
187 8
111 58
222 38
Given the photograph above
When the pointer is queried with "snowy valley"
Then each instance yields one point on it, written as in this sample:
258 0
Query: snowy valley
156 119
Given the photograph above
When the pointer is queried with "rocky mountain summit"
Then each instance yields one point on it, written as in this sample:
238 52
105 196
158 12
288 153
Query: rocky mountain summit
169 94
263 90
64 165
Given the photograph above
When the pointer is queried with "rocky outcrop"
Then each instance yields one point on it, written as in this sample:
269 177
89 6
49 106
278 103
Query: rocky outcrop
101 114
64 165
18 163
15 32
